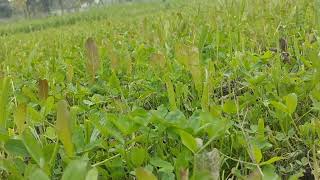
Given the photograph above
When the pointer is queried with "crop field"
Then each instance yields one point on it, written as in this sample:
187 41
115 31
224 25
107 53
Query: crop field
181 89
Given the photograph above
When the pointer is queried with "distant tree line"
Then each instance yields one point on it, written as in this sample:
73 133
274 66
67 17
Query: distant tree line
31 8
5 9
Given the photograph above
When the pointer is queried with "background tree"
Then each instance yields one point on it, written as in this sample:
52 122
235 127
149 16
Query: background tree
5 9
46 6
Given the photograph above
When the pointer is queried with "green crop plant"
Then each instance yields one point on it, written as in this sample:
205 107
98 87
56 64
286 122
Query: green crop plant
206 89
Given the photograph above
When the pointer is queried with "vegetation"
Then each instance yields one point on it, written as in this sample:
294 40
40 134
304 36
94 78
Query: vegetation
165 90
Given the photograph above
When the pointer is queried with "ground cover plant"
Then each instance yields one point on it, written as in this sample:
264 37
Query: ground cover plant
206 89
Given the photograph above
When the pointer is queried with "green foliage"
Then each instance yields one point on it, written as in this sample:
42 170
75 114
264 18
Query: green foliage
162 90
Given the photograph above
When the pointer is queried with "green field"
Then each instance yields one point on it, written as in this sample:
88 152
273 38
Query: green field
181 89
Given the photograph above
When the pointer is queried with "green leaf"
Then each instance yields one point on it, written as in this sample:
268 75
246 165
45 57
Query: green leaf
164 165
144 174
63 127
279 106
34 115
296 176
230 107
269 173
257 153
33 147
4 136
76 170
20 117
188 140
291 102
171 93
39 175
137 156
267 55
16 147
215 127
260 131
115 82
9 166
4 97
92 174
48 105
272 160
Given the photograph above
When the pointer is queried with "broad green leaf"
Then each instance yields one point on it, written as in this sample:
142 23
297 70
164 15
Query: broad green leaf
269 173
188 140
291 102
20 117
296 176
4 97
260 131
34 115
230 107
76 170
92 174
256 151
33 147
49 105
267 55
38 174
63 127
144 174
4 135
205 97
272 160
9 166
16 147
171 94
107 129
137 156
215 127
280 106
164 166
50 133
115 82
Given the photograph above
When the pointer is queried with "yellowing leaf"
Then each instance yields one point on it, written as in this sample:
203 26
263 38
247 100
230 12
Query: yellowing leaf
63 125
43 87
93 62
144 174
20 116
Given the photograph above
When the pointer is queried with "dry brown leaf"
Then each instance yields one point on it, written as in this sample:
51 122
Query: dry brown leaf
43 86
93 62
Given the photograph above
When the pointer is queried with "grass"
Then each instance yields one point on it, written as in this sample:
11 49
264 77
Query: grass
163 90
